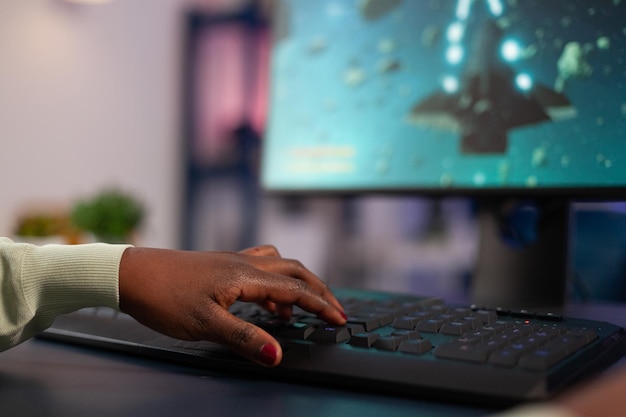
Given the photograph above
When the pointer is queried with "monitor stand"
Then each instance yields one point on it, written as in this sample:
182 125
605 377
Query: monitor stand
523 255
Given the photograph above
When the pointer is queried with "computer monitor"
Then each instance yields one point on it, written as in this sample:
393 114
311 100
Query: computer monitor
520 104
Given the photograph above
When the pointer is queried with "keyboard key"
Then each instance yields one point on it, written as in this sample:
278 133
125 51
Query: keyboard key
492 344
407 323
462 311
369 323
409 334
330 335
420 315
312 320
272 326
469 340
570 342
439 309
355 328
506 337
475 322
364 340
430 325
456 328
388 342
513 334
447 317
299 331
505 357
588 335
521 346
546 334
384 316
504 323
482 334
461 351
543 359
415 346
487 316
526 329
494 327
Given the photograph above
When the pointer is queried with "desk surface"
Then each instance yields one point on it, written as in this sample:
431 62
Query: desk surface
41 378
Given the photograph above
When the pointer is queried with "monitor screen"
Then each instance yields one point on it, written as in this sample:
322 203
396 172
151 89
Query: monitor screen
519 103
448 95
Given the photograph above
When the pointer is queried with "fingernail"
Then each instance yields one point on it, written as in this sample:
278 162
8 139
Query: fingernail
343 315
268 354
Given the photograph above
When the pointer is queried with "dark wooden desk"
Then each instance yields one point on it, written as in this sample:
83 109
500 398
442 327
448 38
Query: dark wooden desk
45 379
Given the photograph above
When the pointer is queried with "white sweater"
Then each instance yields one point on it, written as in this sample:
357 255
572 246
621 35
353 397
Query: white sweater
37 283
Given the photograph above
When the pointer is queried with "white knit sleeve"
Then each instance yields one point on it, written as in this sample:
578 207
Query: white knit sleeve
37 283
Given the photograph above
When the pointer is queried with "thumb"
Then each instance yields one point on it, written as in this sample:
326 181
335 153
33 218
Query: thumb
245 338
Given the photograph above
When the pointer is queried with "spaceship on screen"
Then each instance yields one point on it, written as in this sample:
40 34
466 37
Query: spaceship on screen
489 98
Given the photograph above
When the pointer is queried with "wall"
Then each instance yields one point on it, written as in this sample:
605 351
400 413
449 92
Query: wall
89 98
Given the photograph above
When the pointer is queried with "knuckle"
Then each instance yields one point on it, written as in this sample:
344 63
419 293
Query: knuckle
299 286
297 265
200 324
269 248
241 337
296 268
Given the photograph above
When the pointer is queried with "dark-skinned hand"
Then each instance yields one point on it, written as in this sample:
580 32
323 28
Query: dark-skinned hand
186 295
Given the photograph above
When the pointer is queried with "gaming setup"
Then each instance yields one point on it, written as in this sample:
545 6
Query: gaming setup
518 105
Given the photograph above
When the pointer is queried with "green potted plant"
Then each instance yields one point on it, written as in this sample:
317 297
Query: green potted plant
43 226
112 216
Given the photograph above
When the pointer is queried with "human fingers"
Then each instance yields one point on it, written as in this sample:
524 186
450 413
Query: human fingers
242 337
267 250
286 291
289 267
268 305
295 269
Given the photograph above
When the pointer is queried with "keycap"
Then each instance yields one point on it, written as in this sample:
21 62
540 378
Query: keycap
409 334
355 328
460 351
415 346
542 359
299 331
481 334
504 357
571 343
487 316
456 328
330 335
365 340
407 323
388 342
369 323
272 326
430 325
588 335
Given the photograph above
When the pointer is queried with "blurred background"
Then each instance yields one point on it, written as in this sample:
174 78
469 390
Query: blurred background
165 101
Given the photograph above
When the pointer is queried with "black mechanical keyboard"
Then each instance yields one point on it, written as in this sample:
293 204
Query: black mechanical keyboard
395 344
